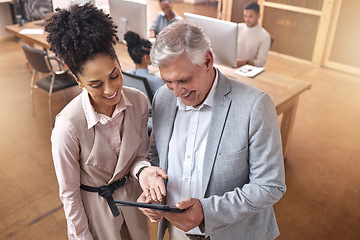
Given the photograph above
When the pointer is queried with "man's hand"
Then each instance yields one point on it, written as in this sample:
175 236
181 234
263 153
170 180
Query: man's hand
154 216
192 217
151 180
240 62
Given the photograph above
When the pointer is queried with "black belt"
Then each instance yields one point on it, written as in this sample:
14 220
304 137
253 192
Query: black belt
107 192
197 237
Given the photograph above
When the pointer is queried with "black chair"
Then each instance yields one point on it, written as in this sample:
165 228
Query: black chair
55 80
272 42
142 84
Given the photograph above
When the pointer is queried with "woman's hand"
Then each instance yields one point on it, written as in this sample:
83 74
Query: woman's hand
151 180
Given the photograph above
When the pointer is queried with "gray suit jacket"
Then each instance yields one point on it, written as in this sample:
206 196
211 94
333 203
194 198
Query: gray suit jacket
243 174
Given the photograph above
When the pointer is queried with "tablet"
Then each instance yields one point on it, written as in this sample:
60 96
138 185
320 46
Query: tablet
157 207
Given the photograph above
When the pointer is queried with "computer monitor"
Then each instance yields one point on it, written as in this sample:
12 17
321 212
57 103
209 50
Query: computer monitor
222 35
129 15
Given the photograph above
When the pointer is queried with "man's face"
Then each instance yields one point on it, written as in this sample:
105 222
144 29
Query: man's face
251 18
190 82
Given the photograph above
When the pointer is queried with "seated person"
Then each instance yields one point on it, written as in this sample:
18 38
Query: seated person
139 50
253 40
164 18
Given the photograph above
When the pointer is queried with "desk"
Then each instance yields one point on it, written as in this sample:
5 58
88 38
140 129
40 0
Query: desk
284 91
31 39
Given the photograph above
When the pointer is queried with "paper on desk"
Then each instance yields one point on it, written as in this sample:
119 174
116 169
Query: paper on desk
249 70
32 31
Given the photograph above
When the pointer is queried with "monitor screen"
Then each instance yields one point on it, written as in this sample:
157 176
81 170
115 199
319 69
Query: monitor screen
222 35
129 15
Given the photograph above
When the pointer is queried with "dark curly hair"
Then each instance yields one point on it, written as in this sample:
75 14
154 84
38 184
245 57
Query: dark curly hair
137 47
80 33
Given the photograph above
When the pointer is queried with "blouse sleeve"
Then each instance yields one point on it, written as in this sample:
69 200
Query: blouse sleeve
65 151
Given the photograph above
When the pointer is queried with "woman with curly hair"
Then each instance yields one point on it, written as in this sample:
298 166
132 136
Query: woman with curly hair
99 141
139 51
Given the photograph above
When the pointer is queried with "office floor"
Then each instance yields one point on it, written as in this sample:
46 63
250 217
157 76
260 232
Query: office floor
322 167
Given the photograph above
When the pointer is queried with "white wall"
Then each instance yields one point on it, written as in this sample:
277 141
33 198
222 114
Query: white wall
5 19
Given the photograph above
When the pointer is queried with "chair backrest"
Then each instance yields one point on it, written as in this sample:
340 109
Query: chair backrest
272 42
140 83
36 58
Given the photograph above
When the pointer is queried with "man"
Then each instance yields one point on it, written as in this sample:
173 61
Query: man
219 142
253 40
164 18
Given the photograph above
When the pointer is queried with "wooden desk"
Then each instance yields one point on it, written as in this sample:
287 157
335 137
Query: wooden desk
284 91
31 39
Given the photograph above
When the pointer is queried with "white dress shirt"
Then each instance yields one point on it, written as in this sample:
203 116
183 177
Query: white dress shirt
186 150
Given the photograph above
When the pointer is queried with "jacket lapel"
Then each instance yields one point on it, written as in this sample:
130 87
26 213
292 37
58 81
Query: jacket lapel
167 128
218 120
101 156
129 146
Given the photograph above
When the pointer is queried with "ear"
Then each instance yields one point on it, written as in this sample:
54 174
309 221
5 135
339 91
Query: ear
77 80
146 59
209 59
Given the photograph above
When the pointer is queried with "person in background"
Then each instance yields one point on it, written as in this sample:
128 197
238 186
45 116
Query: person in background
253 40
164 18
100 140
139 51
218 140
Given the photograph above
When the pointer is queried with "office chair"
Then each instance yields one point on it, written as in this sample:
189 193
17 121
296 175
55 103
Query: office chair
142 84
54 81
272 42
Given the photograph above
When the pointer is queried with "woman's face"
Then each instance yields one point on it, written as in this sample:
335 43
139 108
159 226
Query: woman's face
166 7
103 80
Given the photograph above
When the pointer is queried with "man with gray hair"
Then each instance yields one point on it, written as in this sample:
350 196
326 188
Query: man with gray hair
219 142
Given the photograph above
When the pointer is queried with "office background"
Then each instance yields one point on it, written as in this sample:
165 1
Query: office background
322 167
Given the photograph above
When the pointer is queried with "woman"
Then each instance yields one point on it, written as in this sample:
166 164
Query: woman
164 18
139 51
100 140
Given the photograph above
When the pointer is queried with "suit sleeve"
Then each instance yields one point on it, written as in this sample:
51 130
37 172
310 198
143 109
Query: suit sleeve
266 177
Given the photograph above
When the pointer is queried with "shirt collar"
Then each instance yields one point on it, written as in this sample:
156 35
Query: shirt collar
209 100
92 117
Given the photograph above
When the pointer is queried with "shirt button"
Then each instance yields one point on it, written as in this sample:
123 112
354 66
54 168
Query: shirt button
186 180
188 156
193 132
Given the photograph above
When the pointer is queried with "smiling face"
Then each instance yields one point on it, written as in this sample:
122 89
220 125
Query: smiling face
103 80
190 82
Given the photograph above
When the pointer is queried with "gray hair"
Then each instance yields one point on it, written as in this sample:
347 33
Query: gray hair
182 36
